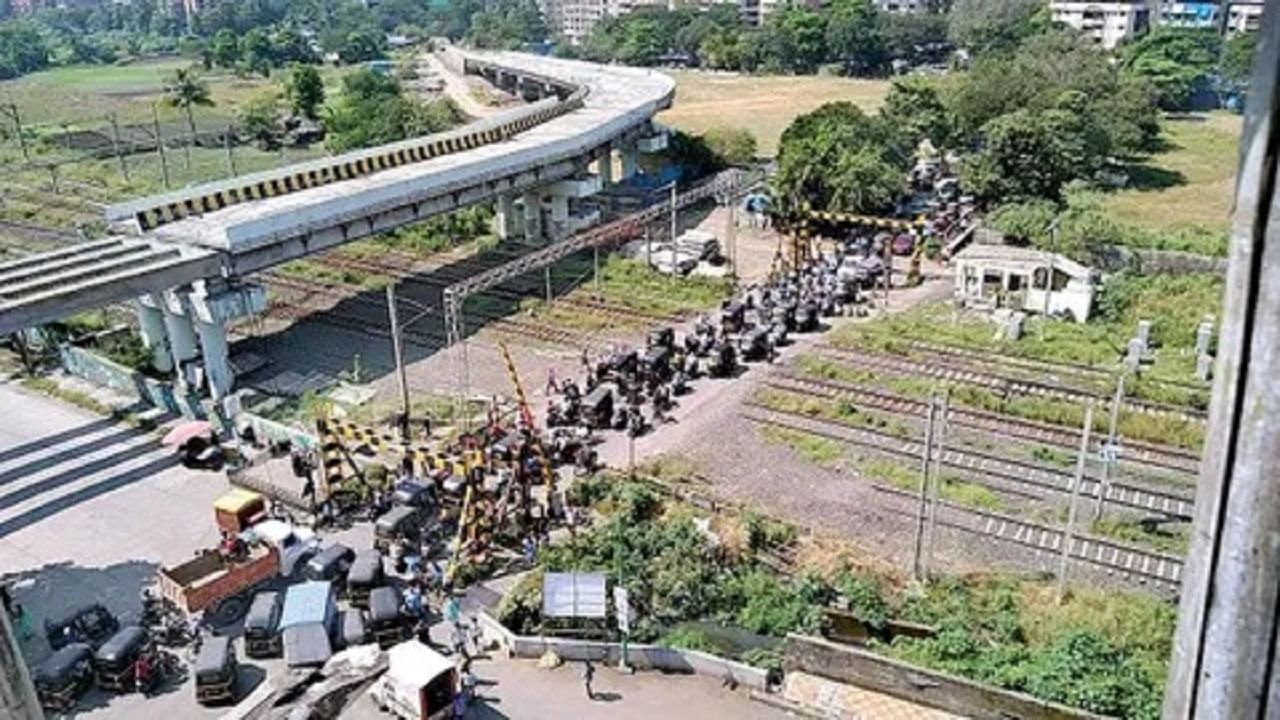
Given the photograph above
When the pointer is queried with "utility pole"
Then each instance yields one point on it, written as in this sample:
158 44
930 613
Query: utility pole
648 246
1068 535
12 111
917 563
231 156
731 237
1109 450
546 277
164 162
1048 271
398 352
673 217
939 449
115 147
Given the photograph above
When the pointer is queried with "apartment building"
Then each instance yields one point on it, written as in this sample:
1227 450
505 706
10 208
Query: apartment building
902 6
1242 15
1107 23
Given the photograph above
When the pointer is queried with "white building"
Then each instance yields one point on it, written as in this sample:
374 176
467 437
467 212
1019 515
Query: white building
1003 276
1243 15
1107 23
902 6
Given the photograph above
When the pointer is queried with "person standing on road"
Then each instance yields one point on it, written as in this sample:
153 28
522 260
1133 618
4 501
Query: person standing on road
588 674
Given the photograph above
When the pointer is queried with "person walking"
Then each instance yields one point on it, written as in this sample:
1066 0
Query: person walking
588 674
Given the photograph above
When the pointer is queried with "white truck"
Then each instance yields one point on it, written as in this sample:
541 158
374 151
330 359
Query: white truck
419 684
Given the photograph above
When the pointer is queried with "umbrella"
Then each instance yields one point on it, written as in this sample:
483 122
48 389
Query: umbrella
180 434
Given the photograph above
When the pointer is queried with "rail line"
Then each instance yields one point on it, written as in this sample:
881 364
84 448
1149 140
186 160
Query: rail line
1131 562
944 371
372 328
1009 476
1147 454
1032 364
513 290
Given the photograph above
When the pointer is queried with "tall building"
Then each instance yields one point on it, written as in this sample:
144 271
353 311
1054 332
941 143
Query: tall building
1107 23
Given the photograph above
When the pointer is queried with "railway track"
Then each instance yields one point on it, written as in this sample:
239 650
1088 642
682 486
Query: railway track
1081 370
1168 459
1012 477
1128 561
514 291
292 309
1006 385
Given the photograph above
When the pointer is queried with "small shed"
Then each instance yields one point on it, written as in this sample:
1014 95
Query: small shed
1004 276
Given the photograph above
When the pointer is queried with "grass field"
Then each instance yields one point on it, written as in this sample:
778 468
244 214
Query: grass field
763 105
1189 183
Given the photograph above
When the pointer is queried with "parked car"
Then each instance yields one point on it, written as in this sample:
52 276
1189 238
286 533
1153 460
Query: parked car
216 669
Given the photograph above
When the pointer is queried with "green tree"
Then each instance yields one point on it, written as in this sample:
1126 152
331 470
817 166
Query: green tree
289 46
853 37
225 48
1236 63
1178 62
256 52
1031 154
988 27
373 110
23 49
796 40
721 50
185 89
735 146
305 90
362 46
260 118
1237 59
907 36
838 158
915 106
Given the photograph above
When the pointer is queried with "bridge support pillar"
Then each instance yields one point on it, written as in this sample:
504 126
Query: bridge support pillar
506 221
604 168
216 355
213 306
182 336
533 217
151 327
559 217
630 156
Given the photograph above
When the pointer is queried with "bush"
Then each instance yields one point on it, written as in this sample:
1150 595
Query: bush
733 145
687 638
865 602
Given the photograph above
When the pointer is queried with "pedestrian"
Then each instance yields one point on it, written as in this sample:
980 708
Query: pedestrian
459 705
452 610
551 381
530 549
588 674
309 492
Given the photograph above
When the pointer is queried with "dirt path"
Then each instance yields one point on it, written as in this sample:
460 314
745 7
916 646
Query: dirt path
457 88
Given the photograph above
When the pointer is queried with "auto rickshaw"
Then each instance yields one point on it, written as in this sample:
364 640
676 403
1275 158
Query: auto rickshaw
91 623
63 676
597 407
365 575
215 669
386 623
399 521
330 563
352 628
113 663
262 625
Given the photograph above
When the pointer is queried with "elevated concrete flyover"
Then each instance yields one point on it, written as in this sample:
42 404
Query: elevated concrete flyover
55 284
189 251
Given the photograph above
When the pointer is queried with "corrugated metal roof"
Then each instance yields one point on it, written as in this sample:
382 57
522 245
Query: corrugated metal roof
306 603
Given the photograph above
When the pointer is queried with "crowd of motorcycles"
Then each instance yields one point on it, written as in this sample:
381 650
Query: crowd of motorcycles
749 327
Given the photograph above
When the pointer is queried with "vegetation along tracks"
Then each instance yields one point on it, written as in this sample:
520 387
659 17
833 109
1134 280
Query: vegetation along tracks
952 372
1145 566
1154 456
1006 475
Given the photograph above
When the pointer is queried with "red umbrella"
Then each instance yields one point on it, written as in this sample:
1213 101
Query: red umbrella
181 434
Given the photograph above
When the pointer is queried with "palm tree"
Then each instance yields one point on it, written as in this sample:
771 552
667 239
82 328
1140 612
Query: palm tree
185 90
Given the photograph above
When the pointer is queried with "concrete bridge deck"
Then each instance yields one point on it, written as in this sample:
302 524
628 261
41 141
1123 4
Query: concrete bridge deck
224 231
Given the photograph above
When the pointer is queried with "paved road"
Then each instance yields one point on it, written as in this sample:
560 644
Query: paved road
89 508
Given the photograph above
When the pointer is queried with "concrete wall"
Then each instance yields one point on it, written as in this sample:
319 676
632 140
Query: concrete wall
642 657
94 368
17 695
272 431
1115 258
966 698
